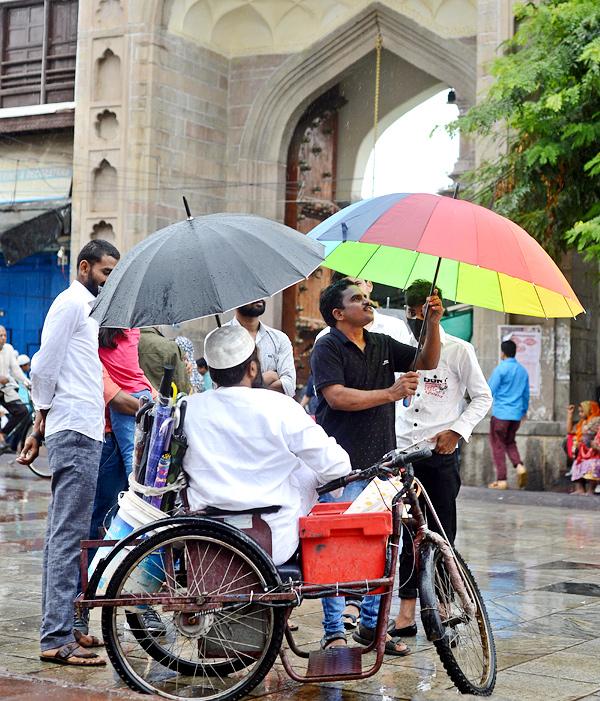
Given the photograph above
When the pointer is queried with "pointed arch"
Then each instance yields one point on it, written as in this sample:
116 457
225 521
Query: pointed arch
305 75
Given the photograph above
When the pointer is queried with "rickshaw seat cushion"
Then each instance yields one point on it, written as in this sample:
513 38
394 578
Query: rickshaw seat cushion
290 569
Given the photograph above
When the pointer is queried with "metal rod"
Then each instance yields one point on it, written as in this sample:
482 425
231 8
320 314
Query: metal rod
406 400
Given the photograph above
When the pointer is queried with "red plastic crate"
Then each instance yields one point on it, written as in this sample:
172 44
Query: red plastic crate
339 547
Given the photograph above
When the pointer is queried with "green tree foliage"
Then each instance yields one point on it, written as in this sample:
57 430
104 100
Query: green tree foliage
543 112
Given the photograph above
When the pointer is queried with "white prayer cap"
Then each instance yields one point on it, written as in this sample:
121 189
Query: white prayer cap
227 347
23 359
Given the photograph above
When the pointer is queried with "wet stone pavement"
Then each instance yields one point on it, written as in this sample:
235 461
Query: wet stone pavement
536 558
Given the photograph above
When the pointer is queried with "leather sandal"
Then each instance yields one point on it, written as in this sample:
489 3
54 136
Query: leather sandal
328 638
96 642
70 652
350 621
365 636
406 632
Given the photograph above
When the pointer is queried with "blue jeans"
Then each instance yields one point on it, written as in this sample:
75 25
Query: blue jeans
334 607
112 480
349 494
123 427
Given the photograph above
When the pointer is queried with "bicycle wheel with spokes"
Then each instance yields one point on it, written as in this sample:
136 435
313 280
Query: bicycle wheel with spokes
219 654
466 647
40 465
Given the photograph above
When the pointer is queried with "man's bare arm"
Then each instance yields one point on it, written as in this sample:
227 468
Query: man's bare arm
343 398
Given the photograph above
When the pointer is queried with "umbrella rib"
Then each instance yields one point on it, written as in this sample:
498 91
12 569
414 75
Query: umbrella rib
501 295
540 300
368 259
411 269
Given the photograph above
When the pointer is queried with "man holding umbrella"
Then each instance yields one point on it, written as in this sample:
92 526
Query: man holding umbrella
353 371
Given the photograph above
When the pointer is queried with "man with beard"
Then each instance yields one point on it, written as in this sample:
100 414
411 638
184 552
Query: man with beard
250 448
437 413
67 393
274 348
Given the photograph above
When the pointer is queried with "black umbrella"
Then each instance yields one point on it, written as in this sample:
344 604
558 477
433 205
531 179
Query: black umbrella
202 266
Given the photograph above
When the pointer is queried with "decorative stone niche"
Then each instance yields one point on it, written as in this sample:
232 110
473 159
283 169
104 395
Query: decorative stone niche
103 230
108 12
107 86
105 192
107 125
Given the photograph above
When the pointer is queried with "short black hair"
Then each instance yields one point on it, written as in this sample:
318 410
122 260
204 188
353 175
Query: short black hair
201 363
331 298
417 292
229 377
337 276
95 250
509 348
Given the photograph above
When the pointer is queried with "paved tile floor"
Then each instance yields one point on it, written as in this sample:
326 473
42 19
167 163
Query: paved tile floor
536 559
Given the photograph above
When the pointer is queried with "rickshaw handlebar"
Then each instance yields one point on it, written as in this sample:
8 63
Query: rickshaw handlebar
391 464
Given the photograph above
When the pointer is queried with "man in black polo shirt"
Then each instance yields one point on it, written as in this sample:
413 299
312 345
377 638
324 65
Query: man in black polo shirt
353 372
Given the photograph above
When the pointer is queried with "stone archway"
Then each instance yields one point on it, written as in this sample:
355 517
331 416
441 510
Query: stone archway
304 76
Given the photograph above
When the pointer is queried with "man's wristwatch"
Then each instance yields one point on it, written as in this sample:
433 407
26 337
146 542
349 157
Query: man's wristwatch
38 437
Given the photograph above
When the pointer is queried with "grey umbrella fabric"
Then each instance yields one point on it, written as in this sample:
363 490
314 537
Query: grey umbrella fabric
203 266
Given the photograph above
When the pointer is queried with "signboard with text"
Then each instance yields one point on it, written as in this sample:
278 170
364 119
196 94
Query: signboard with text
529 350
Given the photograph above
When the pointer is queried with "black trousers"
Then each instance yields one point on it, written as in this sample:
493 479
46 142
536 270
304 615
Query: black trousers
440 475
16 411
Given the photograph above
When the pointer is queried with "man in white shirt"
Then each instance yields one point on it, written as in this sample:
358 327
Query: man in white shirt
67 393
252 448
10 374
437 413
274 347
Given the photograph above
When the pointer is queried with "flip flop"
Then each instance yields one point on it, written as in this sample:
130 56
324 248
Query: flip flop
69 652
96 642
365 636
292 626
522 475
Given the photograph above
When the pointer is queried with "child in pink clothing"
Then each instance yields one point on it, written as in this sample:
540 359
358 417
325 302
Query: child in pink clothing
118 351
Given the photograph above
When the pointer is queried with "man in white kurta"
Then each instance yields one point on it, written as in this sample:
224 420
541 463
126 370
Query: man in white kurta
250 448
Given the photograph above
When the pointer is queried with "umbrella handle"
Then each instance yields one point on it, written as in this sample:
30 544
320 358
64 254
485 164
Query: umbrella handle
406 400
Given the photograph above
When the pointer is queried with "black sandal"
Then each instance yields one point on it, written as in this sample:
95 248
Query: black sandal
328 638
350 621
365 636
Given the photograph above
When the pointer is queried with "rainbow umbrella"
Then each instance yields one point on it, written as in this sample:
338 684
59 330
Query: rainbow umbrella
484 259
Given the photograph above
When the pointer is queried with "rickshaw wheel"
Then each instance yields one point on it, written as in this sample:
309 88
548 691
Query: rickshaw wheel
222 653
466 648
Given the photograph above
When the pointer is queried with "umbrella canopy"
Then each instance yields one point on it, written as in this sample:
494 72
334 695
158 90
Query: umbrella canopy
203 266
487 260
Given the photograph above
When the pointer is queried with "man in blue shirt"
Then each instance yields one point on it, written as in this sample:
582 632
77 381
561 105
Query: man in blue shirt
510 389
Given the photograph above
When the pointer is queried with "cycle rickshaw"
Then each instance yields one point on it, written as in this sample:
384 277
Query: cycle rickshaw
225 604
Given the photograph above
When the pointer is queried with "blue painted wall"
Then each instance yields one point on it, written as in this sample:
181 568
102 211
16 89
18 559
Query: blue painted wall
27 289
